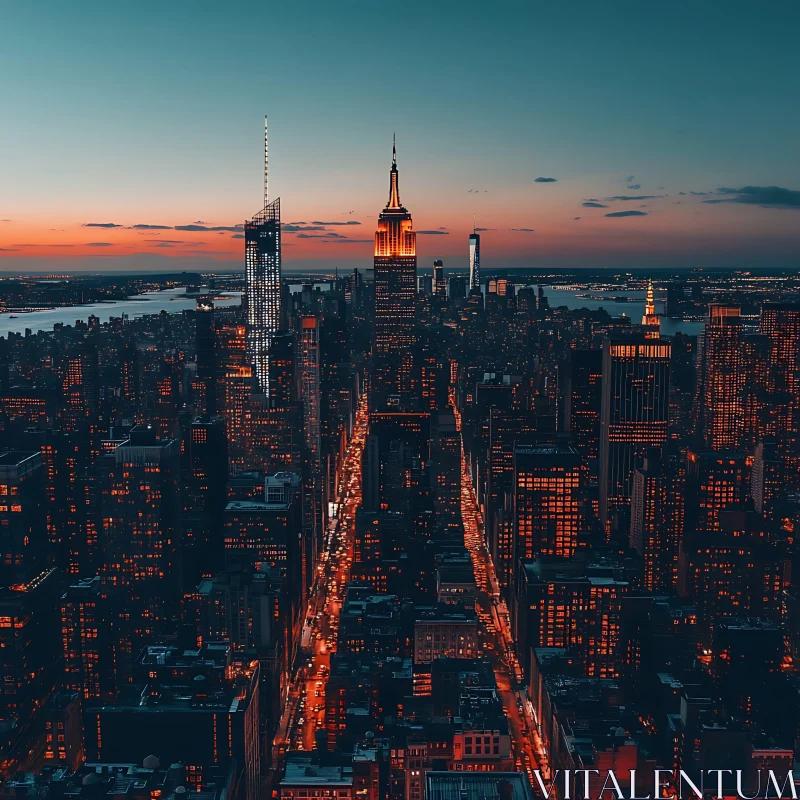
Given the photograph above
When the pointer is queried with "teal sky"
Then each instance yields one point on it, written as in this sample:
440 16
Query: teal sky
151 113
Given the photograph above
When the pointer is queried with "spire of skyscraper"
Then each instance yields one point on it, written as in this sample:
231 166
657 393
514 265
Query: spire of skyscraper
394 189
266 164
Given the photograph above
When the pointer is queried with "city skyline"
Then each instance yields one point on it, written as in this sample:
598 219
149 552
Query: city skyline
590 161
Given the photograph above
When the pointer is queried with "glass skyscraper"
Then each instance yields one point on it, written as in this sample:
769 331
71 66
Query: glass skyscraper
262 236
474 261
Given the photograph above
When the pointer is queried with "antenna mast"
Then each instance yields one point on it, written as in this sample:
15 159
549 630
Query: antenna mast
266 165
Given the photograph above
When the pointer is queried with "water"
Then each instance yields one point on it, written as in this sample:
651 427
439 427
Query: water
170 300
139 305
634 308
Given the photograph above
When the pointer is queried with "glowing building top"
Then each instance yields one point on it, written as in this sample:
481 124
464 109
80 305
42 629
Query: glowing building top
395 236
650 319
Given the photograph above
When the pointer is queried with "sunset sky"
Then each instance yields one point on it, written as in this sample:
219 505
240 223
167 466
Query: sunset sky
131 133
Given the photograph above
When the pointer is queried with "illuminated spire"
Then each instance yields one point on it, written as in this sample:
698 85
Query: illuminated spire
394 190
650 319
650 301
266 164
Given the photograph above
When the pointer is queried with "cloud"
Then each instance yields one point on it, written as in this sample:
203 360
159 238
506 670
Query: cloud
545 180
141 227
199 222
101 225
594 205
628 198
9 250
628 214
196 227
328 235
699 194
634 186
349 222
343 240
434 233
442 228
237 236
764 196
297 226
629 179
476 191
576 218
5 220
478 230
99 244
522 230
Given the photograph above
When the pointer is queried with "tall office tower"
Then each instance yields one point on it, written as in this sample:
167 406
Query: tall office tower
204 472
439 281
735 570
634 417
757 408
715 481
767 479
719 411
548 502
657 518
28 615
457 287
507 429
262 242
88 640
781 323
141 520
309 375
650 320
281 370
583 398
474 261
235 378
395 297
205 339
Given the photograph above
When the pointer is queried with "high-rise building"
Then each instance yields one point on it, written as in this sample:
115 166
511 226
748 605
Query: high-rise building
88 640
780 322
395 291
582 403
263 274
439 282
474 260
633 418
657 518
719 413
548 502
309 369
205 339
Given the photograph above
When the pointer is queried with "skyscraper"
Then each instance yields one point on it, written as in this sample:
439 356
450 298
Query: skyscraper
719 414
634 416
205 339
395 289
781 323
474 260
309 367
548 486
263 273
439 282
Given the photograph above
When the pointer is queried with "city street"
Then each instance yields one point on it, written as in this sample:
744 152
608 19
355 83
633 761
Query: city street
498 644
305 707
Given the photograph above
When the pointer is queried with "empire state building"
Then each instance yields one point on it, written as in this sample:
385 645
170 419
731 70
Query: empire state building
395 289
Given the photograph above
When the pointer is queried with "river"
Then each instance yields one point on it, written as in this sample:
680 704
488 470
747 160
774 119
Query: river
173 300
